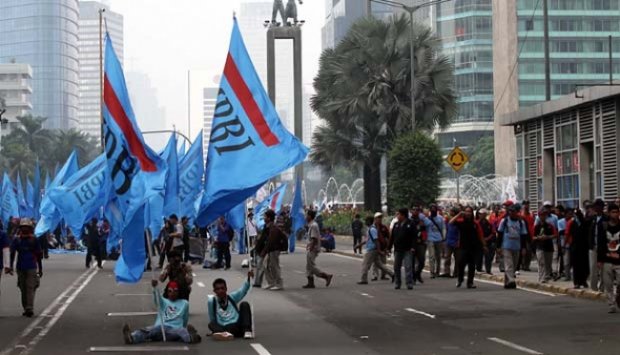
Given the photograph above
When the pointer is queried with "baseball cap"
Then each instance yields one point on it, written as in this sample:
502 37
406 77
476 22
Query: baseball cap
378 215
547 203
484 211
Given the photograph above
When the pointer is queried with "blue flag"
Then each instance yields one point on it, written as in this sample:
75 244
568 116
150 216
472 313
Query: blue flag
181 152
30 198
47 180
297 215
273 202
236 220
50 217
9 207
191 171
83 195
135 171
36 201
24 211
115 218
248 144
171 196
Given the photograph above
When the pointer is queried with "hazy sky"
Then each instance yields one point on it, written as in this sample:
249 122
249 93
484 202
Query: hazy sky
166 38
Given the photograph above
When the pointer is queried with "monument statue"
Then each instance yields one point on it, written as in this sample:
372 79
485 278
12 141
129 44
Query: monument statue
285 13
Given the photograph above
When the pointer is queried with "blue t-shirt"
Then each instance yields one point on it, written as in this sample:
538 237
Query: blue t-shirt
513 230
4 243
229 315
175 313
434 234
28 253
223 234
371 243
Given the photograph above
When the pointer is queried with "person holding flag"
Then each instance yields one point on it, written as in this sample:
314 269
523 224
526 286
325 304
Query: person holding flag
313 249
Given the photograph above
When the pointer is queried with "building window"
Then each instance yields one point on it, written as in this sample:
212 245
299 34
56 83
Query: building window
567 165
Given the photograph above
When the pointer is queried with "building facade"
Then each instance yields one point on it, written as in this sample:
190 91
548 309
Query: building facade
44 34
15 93
209 100
89 110
568 149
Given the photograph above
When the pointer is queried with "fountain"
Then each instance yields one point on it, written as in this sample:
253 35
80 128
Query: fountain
480 190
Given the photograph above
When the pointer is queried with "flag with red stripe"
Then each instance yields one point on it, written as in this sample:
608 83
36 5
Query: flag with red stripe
249 144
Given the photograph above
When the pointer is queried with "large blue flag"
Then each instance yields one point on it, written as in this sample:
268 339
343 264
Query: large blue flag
10 206
36 186
273 202
50 217
236 220
191 171
135 171
83 195
171 195
297 215
24 211
248 144
30 198
181 152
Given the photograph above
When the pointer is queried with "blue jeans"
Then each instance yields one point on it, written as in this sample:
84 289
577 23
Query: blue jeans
153 333
399 258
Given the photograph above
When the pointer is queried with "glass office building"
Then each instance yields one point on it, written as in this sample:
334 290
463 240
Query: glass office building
44 34
579 33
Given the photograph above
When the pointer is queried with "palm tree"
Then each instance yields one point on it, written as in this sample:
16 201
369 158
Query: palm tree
65 142
363 95
32 134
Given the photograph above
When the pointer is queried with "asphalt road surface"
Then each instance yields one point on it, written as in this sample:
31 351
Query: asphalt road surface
78 311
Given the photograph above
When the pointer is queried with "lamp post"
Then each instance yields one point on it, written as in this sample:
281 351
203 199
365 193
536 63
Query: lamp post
410 10
2 121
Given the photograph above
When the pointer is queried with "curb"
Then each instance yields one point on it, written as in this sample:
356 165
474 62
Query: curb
580 293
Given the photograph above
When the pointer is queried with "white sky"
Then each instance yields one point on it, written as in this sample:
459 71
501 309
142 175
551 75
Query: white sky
166 38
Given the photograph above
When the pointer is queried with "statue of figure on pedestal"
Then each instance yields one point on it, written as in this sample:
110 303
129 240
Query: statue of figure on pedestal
289 12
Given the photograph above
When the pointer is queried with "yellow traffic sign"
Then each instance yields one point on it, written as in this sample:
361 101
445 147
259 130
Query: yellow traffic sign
457 159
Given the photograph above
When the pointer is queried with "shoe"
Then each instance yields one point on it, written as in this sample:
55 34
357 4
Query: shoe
420 279
544 281
101 268
374 279
248 335
472 286
362 283
385 277
224 336
328 280
410 287
127 334
445 274
308 286
257 286
432 277
29 314
459 284
517 273
397 287
193 335
276 288
489 273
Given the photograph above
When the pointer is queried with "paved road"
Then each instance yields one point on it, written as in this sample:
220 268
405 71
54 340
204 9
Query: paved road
434 318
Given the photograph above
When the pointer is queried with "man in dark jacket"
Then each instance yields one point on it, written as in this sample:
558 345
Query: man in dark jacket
273 247
596 224
403 239
608 256
92 243
357 227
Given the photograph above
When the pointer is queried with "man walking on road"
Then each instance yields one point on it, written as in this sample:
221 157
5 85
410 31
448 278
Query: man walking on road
596 230
512 234
313 249
471 244
608 256
276 242
29 264
224 236
435 227
376 236
92 243
403 240
356 228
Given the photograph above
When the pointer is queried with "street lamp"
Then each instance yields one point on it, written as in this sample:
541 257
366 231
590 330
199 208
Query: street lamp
410 10
2 121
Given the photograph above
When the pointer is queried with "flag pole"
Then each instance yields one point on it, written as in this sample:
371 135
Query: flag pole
161 316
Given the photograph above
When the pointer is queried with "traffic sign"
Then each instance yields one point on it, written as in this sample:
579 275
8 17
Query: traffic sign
457 159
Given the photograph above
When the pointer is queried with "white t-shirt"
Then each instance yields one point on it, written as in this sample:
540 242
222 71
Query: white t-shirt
178 229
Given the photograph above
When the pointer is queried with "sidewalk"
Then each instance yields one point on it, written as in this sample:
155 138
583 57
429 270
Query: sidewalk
526 279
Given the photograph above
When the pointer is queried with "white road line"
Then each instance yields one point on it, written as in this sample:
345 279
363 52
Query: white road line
515 346
200 284
260 349
367 295
299 272
130 314
127 349
431 316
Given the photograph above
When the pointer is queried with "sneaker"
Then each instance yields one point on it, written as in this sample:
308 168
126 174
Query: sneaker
29 314
397 287
374 279
127 334
248 335
257 286
275 288
362 283
224 336
410 287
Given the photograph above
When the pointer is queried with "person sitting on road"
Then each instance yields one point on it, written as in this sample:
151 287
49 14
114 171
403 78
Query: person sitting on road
175 314
180 272
328 242
229 317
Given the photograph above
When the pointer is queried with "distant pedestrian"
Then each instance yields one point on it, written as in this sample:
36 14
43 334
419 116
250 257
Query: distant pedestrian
313 249
277 242
512 232
29 265
377 235
597 220
252 229
176 234
609 257
223 239
577 234
544 240
357 226
5 252
403 238
471 244
435 227
92 243
452 242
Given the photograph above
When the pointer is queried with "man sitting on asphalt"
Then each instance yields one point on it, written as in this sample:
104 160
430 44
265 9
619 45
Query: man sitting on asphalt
228 318
175 314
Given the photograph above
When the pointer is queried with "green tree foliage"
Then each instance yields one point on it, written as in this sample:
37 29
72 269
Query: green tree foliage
363 95
482 158
413 171
29 142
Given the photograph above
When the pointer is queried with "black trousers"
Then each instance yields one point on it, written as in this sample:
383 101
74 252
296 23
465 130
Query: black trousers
238 329
467 258
93 251
419 260
223 253
356 240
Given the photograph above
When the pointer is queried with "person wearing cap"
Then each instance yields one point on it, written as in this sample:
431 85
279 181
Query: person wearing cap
596 231
29 264
544 237
608 256
512 233
377 234
435 226
173 313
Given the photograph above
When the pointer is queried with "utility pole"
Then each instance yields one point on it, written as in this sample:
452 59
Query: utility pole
547 59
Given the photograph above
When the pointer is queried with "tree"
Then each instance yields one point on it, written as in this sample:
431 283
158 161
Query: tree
413 172
363 95
64 142
482 158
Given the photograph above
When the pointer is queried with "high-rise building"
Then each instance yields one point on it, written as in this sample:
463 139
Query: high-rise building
15 93
208 103
149 114
44 34
579 32
90 97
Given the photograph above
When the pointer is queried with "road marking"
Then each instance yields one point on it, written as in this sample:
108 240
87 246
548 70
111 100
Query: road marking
130 314
366 295
431 316
520 288
299 272
200 284
515 346
126 349
132 294
260 349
